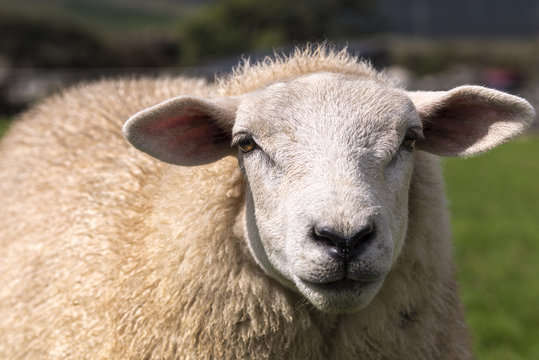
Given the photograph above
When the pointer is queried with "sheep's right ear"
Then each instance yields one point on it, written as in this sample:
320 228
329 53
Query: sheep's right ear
468 120
184 130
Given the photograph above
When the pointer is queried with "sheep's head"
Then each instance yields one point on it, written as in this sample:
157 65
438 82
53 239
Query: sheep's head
328 160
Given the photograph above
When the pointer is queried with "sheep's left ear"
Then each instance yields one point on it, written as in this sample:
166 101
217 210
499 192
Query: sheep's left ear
468 120
184 130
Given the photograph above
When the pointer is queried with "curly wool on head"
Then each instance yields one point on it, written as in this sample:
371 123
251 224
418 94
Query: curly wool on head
311 58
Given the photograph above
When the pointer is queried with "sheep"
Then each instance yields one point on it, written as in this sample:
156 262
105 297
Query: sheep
293 209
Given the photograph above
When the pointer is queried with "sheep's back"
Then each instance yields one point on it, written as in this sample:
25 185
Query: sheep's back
77 211
65 162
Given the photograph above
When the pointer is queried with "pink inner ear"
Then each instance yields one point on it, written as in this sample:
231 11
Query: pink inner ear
459 126
179 123
189 138
203 137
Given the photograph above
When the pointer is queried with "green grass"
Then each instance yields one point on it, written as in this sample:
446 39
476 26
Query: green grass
4 124
495 217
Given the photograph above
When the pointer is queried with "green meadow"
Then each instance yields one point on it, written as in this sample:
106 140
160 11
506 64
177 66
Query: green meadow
4 124
494 202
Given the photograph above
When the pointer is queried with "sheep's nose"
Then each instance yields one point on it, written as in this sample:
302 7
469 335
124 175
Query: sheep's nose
341 245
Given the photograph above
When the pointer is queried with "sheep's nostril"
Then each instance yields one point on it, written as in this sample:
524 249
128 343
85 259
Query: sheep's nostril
362 235
334 241
338 243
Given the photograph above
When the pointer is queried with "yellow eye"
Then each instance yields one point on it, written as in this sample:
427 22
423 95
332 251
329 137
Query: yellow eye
247 145
409 143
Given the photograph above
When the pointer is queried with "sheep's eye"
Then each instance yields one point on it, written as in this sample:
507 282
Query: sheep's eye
409 142
247 145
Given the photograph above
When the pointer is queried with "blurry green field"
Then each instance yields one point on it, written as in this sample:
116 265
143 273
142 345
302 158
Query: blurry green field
495 216
4 124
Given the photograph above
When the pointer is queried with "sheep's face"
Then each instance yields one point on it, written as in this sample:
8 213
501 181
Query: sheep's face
328 161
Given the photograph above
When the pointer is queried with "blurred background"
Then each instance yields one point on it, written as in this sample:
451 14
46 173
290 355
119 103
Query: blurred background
46 45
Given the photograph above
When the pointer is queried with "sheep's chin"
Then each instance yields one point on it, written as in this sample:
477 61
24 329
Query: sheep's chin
349 297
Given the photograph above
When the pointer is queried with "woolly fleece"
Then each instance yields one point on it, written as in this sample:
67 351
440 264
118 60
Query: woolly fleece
110 254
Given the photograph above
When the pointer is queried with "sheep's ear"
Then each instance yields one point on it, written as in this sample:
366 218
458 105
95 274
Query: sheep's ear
184 130
468 120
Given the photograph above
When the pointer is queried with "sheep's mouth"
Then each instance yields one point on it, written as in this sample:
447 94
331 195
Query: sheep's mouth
344 295
345 284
